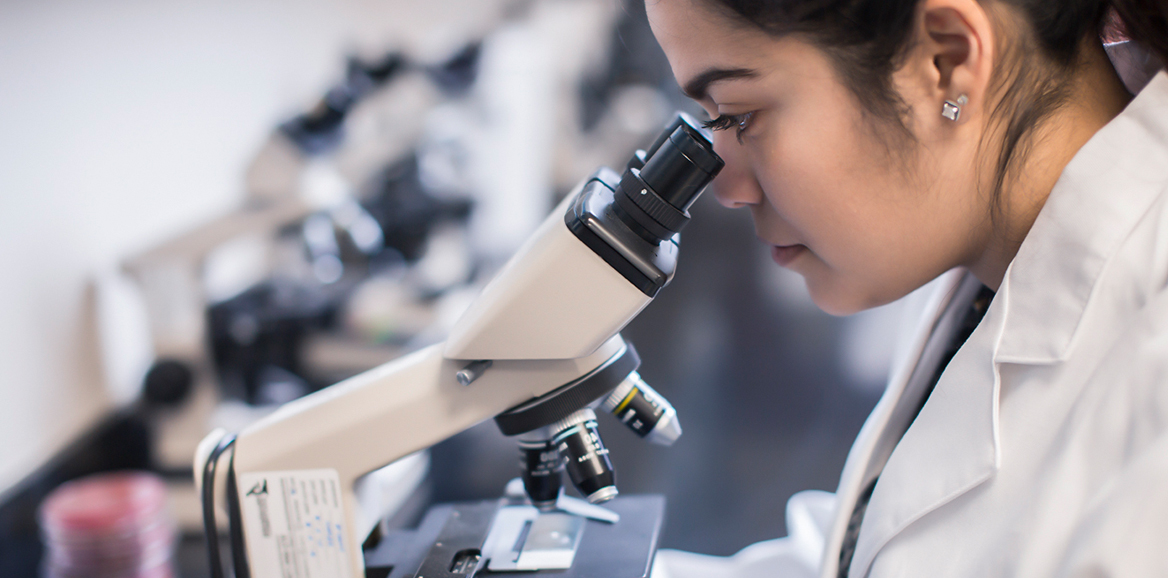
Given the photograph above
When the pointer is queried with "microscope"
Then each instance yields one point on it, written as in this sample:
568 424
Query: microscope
540 352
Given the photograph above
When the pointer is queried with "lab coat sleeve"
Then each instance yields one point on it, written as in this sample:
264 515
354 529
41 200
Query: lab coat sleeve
809 517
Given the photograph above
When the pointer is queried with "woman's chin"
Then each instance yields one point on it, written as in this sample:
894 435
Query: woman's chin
837 308
837 299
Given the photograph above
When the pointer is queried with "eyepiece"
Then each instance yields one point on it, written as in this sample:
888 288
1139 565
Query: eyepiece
681 167
660 184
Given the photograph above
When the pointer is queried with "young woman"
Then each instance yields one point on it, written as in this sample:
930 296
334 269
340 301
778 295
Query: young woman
990 145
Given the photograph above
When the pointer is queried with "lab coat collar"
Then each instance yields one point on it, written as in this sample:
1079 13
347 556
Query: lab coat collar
951 448
953 445
1047 285
873 444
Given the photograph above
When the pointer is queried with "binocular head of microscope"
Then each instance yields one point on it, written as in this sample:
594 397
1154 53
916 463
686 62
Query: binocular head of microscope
633 222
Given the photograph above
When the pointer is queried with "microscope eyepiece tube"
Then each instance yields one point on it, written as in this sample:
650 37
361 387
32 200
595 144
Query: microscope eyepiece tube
660 184
586 458
645 411
681 167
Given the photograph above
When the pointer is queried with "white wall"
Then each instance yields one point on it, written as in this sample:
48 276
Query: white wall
123 122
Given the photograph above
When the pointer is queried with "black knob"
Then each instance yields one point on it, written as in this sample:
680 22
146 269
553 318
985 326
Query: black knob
167 383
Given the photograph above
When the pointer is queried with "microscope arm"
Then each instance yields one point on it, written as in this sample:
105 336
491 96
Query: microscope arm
394 410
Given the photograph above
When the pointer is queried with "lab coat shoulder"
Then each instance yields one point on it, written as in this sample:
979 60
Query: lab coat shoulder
1127 393
1123 532
1122 529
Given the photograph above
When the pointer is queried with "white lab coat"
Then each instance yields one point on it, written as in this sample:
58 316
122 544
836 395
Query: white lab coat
1043 450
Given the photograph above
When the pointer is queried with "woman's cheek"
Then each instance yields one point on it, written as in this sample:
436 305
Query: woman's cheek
737 184
775 162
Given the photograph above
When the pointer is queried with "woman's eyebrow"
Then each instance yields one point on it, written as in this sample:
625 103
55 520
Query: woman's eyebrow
697 86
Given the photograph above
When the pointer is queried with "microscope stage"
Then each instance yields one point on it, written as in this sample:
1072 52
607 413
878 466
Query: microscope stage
449 543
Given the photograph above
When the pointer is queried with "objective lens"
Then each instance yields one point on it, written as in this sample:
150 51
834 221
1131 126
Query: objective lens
586 458
542 465
645 411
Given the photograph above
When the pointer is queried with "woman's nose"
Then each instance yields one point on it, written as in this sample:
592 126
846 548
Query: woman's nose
735 187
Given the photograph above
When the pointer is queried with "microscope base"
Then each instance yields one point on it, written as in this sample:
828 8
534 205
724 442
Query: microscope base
449 535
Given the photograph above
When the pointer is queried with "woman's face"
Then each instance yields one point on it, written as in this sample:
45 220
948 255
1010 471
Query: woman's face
863 214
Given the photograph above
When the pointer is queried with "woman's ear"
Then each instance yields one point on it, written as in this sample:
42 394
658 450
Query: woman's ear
956 41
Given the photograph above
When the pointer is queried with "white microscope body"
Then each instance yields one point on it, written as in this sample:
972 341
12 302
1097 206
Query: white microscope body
550 319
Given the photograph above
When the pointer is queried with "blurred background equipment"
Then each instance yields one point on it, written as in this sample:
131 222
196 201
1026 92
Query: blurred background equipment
222 238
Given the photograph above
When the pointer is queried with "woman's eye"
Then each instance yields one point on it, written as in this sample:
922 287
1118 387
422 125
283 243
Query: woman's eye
740 122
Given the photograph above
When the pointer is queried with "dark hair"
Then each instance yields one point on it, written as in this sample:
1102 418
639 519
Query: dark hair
868 39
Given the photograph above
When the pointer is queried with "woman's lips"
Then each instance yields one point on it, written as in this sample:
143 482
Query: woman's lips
784 254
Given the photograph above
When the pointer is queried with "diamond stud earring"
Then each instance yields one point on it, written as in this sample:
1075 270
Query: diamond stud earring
952 110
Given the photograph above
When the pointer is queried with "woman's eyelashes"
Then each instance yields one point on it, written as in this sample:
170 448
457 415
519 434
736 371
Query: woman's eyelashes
740 122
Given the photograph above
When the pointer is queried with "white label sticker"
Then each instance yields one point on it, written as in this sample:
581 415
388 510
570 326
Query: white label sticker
294 524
